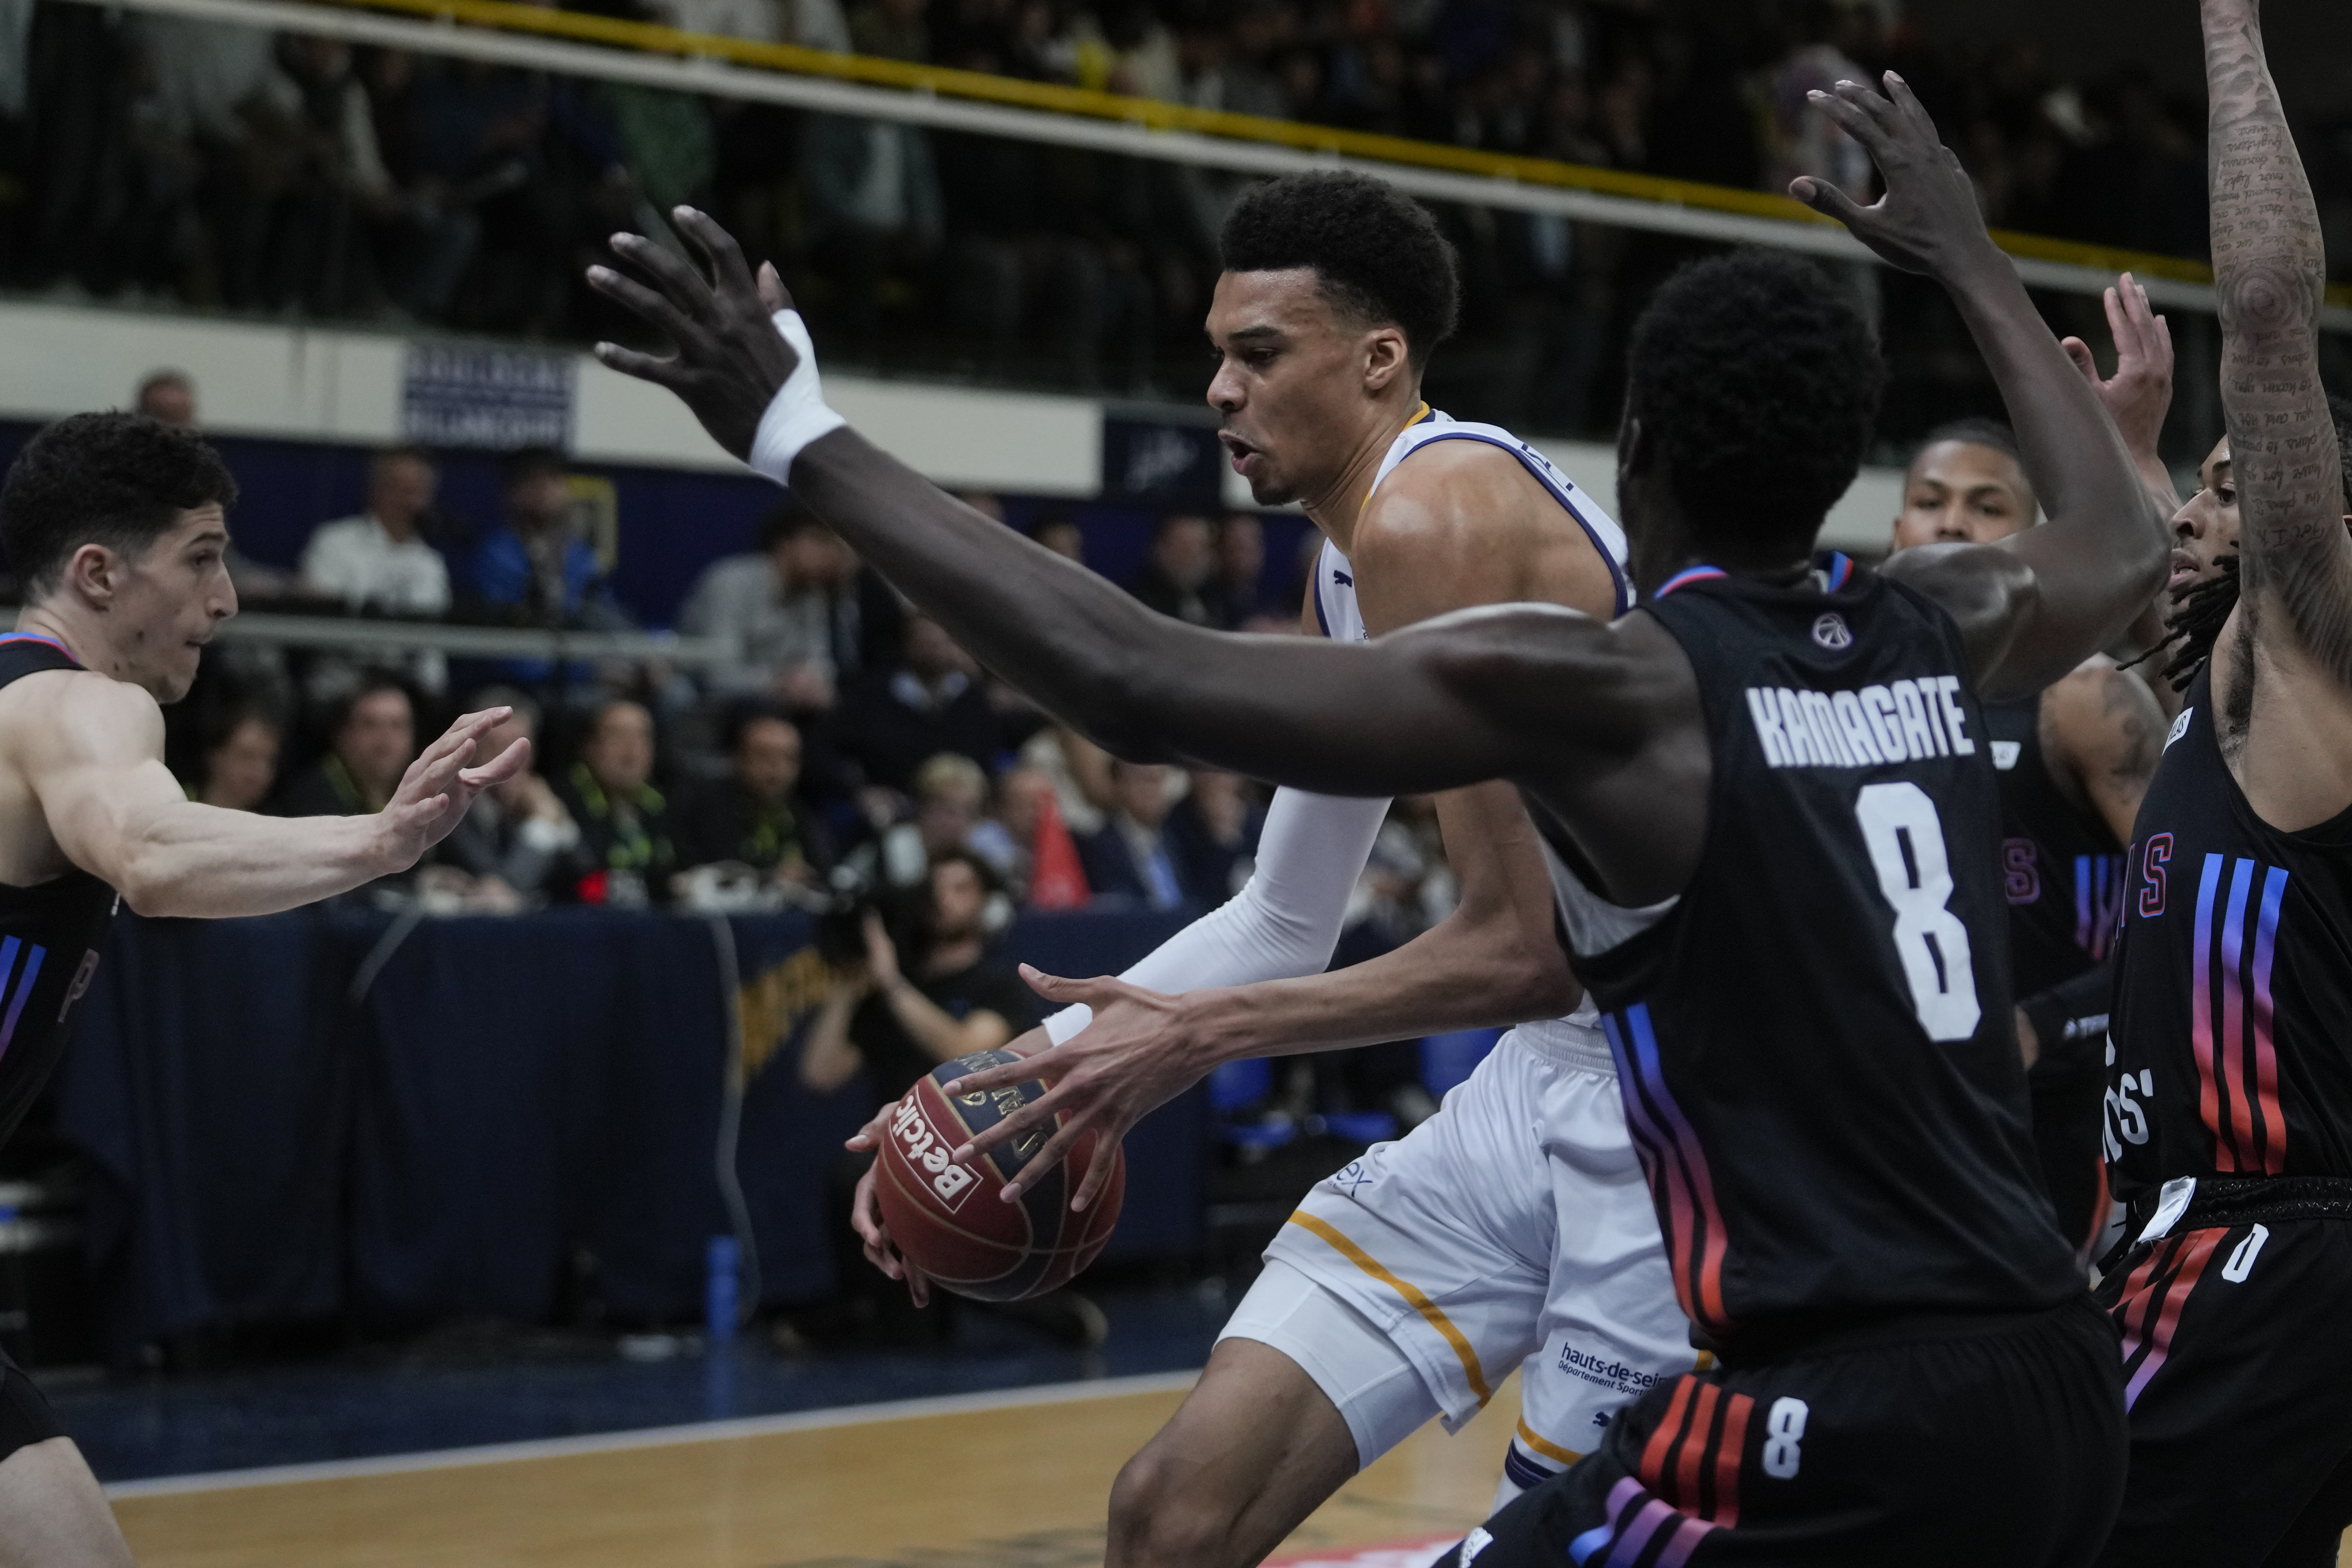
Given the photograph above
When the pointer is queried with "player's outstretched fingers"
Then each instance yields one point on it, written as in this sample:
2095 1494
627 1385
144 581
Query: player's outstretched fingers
870 1135
728 270
673 374
1098 1173
1056 1150
773 293
672 274
1854 107
1875 107
1038 1112
2084 359
656 310
498 768
1828 200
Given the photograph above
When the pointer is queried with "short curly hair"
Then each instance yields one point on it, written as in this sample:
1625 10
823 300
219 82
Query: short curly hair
1757 382
1376 251
117 480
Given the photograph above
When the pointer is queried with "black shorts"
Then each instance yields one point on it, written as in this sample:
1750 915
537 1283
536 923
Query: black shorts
26 1417
2000 1442
2238 1374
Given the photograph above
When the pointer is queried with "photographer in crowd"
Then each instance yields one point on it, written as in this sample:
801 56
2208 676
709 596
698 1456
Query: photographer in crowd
946 997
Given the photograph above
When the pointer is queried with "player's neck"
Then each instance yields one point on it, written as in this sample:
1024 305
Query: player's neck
1337 508
67 631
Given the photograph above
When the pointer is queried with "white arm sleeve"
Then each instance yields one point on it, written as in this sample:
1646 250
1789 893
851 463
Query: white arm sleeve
1284 923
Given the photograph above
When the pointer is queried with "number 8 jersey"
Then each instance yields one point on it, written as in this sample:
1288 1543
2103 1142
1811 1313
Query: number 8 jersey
1815 1042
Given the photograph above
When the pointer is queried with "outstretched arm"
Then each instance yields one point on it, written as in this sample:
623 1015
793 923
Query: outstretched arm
97 767
2270 269
2037 605
1470 698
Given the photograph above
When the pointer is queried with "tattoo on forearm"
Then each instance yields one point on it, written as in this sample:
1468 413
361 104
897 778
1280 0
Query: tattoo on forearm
2270 265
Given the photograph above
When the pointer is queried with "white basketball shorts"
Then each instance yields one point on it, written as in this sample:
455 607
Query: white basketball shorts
1511 1229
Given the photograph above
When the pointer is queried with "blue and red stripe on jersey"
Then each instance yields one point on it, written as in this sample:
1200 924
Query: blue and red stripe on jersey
1682 1187
2231 1032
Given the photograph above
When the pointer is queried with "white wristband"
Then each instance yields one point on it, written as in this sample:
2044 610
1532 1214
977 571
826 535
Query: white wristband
798 414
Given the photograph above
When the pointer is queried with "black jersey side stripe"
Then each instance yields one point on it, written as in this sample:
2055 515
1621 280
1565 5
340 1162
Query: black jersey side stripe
1696 1249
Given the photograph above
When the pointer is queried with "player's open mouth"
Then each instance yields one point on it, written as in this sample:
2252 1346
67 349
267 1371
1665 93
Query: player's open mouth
1238 452
2186 569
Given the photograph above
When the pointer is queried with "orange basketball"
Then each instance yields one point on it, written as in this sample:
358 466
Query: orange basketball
946 1218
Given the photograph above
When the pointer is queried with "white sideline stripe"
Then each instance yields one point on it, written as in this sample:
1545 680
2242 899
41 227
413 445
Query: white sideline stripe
722 79
654 1436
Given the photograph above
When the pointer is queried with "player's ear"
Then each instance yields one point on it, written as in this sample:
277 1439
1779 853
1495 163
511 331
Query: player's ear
93 574
1385 359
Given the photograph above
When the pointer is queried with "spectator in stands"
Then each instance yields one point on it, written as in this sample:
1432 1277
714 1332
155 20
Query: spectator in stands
535 560
518 833
1080 771
1212 834
1025 812
929 701
756 815
1239 587
899 1017
379 560
786 605
626 853
1179 579
947 812
374 737
240 760
168 398
1131 858
1058 532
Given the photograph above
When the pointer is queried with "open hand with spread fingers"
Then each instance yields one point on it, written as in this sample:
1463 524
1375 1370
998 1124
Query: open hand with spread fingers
439 788
2139 394
733 354
1928 221
1136 1056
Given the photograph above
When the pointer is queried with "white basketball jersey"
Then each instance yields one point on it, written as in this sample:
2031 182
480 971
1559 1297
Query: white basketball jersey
1335 580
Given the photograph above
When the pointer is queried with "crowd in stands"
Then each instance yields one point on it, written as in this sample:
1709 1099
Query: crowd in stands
174 159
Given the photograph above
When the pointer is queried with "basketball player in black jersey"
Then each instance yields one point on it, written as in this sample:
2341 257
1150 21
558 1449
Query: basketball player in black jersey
115 527
1774 787
2073 762
2230 1111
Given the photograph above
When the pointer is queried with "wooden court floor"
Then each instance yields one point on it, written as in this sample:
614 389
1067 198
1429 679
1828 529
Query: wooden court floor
1017 1486
1018 1481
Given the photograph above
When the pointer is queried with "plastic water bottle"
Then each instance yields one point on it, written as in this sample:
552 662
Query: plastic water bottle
718 1291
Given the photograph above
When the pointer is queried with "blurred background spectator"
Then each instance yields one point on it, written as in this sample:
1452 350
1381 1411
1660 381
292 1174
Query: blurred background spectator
1132 857
790 605
516 834
756 817
926 700
1181 579
374 739
240 760
626 854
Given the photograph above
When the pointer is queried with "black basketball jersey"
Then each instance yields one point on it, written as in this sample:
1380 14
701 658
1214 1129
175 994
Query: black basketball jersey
49 939
2233 1023
2061 867
1815 1046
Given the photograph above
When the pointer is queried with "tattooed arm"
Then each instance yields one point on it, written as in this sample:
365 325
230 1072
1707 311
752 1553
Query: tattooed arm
2290 649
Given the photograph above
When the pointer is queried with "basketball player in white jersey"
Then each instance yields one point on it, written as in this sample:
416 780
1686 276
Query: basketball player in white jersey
1513 1229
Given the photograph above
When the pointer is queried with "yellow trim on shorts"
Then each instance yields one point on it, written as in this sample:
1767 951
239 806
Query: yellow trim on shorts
1413 1298
1544 1445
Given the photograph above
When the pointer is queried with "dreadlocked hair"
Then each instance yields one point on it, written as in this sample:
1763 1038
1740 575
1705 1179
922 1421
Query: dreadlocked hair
2200 611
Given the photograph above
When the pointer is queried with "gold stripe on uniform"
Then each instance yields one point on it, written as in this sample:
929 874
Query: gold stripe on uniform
1413 1298
1546 1446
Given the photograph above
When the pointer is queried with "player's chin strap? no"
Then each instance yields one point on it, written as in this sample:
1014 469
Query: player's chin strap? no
798 414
